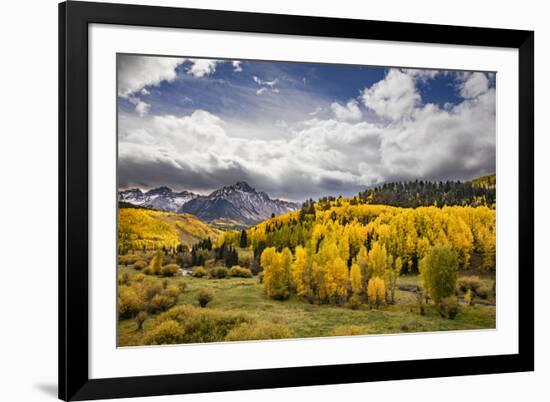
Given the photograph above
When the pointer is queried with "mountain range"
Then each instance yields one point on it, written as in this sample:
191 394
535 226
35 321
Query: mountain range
238 205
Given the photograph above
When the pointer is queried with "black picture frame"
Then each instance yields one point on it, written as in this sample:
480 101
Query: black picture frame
74 18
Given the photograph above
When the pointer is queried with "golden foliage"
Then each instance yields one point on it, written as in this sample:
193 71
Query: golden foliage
356 279
149 229
376 291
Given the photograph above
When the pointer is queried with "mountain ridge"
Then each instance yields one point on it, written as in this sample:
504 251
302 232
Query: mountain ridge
239 203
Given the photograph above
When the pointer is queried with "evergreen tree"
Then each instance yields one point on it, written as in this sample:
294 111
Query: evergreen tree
243 242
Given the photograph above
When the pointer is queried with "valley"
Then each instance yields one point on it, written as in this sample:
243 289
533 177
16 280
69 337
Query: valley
260 268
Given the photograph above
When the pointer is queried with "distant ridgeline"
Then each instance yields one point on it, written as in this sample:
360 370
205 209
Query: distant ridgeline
412 194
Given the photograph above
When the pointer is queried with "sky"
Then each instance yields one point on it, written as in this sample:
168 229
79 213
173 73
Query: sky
298 130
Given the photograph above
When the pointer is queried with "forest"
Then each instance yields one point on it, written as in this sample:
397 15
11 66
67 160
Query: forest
402 257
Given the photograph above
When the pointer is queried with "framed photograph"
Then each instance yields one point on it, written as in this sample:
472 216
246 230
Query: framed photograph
258 201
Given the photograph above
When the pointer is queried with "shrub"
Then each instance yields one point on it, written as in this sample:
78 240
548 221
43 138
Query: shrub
167 332
140 264
468 297
150 288
376 291
129 302
139 277
239 272
199 272
140 319
161 302
123 278
260 330
448 307
173 291
438 270
219 272
348 330
182 286
204 297
355 302
128 259
482 292
469 282
169 270
203 325
156 263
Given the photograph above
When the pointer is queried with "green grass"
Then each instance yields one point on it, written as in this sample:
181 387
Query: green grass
311 320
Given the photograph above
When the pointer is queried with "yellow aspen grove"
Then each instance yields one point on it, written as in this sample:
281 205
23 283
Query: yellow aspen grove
377 260
376 291
356 279
343 245
461 239
373 240
286 264
275 275
267 261
336 280
328 252
298 272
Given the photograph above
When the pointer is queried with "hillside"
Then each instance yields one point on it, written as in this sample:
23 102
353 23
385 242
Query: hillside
489 181
412 194
405 234
142 228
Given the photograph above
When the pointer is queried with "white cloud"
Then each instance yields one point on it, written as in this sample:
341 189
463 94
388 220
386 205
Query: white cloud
315 112
142 108
265 85
202 67
421 75
473 85
317 156
260 82
394 97
237 66
348 112
137 72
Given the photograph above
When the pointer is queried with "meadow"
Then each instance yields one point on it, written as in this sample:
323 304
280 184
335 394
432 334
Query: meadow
247 296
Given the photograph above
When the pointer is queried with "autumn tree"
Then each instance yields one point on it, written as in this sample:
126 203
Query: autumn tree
155 266
392 274
378 261
376 291
276 272
356 282
301 272
438 270
336 280
356 279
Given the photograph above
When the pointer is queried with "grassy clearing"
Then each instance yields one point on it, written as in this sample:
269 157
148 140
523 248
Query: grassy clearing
311 320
